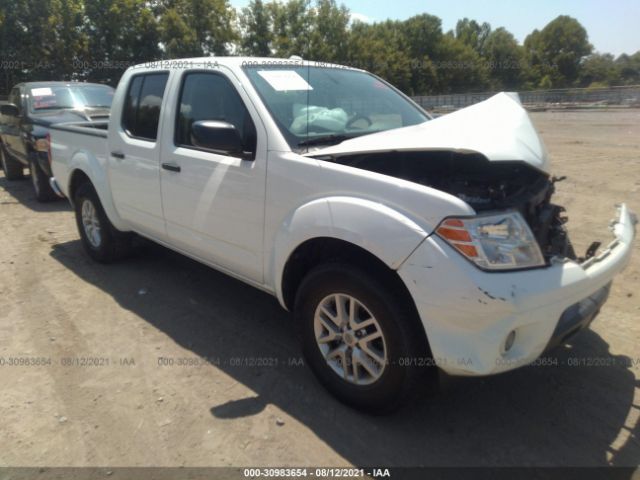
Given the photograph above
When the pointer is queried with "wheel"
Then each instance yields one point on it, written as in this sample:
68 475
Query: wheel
361 339
40 181
100 239
13 169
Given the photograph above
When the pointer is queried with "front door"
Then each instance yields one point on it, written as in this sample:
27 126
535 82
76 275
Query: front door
214 202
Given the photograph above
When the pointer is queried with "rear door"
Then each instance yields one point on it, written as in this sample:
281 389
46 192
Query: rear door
214 203
134 154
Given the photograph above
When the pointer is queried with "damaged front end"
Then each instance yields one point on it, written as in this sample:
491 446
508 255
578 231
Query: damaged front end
484 185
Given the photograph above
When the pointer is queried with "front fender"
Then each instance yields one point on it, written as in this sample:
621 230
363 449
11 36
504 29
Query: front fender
377 228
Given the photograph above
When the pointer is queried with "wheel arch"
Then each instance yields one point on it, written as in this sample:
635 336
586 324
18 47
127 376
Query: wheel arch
80 174
385 234
320 250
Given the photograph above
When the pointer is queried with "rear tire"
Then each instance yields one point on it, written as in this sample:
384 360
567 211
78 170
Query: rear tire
100 239
40 182
13 170
381 374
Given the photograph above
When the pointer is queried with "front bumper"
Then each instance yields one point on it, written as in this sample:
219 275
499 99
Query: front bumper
468 313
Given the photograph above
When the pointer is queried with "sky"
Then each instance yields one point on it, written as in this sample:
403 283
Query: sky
613 26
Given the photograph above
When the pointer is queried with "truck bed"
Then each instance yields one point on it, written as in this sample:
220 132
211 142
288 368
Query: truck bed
71 142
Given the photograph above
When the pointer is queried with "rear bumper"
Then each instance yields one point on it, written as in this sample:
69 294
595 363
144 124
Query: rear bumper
468 313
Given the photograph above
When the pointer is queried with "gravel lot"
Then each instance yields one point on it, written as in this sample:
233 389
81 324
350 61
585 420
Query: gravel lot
145 362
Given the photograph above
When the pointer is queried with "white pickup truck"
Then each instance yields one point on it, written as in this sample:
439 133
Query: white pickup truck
400 242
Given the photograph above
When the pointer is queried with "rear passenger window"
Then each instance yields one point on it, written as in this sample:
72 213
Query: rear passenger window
142 106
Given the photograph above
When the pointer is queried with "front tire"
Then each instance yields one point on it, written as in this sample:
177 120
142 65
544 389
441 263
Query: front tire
100 239
40 182
13 169
362 339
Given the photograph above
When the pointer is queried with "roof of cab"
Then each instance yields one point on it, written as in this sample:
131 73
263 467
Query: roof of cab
60 84
234 62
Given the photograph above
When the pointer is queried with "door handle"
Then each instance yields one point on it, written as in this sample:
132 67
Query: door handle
172 167
119 155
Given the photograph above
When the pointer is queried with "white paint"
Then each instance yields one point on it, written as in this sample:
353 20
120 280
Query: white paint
284 80
246 218
41 92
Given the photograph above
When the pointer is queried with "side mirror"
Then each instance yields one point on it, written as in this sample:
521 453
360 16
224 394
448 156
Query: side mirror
218 136
9 109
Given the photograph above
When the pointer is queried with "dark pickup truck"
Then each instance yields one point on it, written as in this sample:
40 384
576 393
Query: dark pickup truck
24 125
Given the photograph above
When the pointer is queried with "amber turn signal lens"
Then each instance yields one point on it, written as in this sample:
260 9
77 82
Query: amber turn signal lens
468 250
454 234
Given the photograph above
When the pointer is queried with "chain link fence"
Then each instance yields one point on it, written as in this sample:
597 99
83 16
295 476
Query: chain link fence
617 97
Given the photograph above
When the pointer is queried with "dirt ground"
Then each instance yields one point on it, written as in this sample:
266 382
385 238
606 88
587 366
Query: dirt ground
145 362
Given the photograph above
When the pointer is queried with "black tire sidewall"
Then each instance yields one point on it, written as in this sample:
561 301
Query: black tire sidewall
44 192
13 170
35 177
391 389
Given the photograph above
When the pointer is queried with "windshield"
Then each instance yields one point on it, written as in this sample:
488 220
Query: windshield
70 96
324 105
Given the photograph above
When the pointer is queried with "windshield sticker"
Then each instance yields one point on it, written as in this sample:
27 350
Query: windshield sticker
41 92
285 80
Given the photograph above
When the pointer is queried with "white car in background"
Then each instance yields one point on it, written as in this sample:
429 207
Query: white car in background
401 243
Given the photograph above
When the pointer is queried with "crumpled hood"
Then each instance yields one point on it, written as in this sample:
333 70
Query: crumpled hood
498 128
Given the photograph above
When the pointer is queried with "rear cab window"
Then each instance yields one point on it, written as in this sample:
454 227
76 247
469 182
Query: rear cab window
141 113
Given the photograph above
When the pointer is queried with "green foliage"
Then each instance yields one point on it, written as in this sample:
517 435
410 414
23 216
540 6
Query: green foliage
98 39
460 67
555 53
196 28
291 23
472 34
505 60
598 69
121 33
255 24
328 35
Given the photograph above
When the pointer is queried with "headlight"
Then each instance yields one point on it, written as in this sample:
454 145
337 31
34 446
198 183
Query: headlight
493 242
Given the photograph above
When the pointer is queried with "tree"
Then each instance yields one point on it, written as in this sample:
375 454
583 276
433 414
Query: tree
67 42
13 42
257 36
328 35
598 70
291 23
121 33
557 51
460 68
505 60
381 48
193 28
628 69
472 34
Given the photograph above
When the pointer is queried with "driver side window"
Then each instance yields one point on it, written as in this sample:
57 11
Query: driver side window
210 96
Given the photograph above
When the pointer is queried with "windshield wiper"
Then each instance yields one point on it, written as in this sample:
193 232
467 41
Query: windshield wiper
333 139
